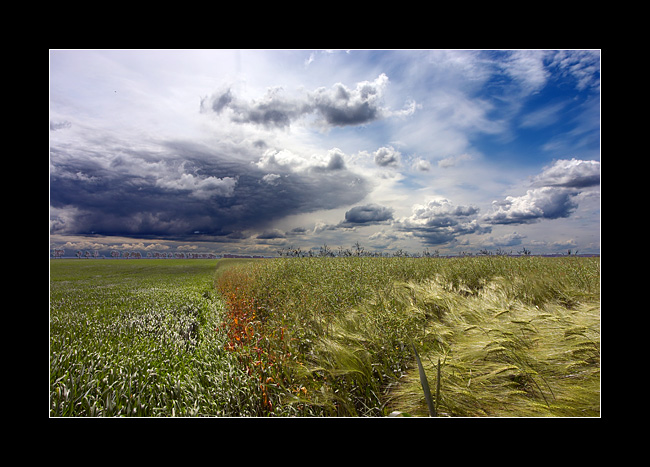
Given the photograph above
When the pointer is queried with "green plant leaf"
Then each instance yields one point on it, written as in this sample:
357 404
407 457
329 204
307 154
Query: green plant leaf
425 385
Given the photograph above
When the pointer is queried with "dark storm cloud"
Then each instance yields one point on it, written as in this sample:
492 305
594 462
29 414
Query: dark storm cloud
180 191
337 106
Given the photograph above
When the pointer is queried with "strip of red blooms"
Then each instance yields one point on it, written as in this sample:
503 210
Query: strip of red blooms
260 349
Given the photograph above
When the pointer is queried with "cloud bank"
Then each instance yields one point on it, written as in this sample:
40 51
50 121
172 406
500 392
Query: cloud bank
184 191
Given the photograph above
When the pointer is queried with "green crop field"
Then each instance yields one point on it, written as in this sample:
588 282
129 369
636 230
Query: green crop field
137 338
495 336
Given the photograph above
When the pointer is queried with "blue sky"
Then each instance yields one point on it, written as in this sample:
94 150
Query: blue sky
249 151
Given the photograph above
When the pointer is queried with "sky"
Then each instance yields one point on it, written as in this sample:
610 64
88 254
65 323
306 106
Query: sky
254 151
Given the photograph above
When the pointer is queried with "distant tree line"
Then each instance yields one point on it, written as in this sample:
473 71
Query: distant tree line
293 252
157 255
358 250
58 253
500 252
355 250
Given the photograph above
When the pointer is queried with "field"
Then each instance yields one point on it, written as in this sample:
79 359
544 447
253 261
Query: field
137 338
495 336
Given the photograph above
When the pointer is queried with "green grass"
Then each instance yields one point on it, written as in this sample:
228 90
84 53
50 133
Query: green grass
137 338
326 337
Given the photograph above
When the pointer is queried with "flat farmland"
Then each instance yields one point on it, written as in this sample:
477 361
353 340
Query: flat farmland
496 336
138 338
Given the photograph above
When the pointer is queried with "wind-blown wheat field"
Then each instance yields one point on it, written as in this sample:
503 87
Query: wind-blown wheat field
495 336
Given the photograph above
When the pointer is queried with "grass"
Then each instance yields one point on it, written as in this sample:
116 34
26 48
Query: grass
516 336
137 338
325 337
504 357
